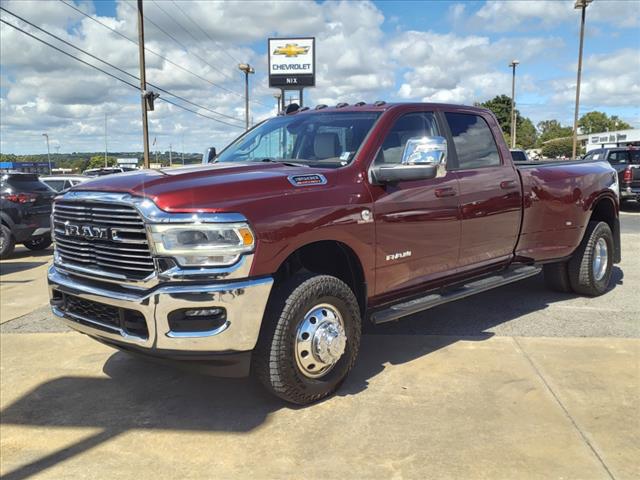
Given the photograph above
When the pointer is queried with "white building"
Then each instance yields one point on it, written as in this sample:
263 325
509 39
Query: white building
619 138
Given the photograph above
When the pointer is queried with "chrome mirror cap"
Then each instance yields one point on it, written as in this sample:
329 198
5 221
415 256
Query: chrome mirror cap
425 151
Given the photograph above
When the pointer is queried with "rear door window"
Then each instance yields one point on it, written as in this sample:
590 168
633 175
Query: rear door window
26 183
619 156
473 141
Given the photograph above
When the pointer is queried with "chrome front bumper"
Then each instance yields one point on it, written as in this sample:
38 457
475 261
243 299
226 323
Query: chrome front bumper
245 302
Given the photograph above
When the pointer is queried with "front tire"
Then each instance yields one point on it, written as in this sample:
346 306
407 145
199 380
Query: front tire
310 338
38 243
591 265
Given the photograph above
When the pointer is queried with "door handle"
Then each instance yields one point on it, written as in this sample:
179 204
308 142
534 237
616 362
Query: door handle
445 192
507 184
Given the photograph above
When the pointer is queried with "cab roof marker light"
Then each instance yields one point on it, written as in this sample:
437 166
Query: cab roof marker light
320 106
359 104
379 103
342 105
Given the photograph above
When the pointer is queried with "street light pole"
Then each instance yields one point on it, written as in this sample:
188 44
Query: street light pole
45 135
105 140
513 65
247 69
582 5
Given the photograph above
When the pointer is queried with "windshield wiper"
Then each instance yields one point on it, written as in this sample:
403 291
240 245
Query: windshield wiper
282 161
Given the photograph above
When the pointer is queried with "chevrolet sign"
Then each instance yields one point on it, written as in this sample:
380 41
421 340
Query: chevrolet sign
291 62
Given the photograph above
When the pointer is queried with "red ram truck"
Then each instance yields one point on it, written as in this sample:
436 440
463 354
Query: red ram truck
271 258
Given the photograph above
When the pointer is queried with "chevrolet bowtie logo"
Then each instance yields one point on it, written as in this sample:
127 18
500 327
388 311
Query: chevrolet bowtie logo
291 50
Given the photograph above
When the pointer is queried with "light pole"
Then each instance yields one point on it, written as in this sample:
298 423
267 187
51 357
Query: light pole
513 65
45 135
579 5
277 96
247 69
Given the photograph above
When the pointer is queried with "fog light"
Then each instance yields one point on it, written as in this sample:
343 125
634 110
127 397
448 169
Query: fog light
197 319
204 312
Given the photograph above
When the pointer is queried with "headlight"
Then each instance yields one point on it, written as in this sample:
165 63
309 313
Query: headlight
212 244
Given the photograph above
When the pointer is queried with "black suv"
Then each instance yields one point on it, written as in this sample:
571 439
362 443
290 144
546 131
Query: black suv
626 161
25 211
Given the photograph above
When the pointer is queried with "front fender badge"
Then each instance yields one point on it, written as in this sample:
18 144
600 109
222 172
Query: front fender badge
307 180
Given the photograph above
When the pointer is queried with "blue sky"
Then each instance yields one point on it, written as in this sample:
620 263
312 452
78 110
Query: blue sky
447 51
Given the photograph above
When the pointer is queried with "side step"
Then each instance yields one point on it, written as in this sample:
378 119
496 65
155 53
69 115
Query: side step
450 294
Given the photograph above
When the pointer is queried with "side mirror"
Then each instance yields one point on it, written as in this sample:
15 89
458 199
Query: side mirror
425 151
421 158
209 155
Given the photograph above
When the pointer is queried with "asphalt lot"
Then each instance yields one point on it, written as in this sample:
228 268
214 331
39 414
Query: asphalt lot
518 382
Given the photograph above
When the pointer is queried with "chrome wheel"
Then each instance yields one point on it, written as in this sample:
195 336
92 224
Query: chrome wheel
600 259
320 340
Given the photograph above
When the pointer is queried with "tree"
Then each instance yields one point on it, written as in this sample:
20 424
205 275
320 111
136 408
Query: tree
596 122
501 108
551 129
558 147
525 131
97 161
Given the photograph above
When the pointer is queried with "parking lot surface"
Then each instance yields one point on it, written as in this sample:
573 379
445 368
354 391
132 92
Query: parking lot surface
518 382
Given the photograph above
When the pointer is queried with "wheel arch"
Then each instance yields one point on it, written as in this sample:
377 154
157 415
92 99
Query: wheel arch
328 257
604 209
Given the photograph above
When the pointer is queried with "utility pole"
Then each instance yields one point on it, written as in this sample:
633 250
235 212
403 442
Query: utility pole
247 69
582 5
513 65
105 140
45 135
170 159
143 85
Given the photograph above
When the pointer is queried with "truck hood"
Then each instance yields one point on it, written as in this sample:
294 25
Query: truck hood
215 187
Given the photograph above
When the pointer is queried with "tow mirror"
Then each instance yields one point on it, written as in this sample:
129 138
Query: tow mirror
209 155
421 158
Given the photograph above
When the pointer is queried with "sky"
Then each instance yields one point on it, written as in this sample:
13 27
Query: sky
398 51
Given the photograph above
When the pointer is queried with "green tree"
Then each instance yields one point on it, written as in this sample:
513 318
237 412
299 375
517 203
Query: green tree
558 147
550 129
596 122
97 161
526 134
525 131
501 108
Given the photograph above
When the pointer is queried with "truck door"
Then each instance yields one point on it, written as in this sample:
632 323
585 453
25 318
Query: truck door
417 226
490 192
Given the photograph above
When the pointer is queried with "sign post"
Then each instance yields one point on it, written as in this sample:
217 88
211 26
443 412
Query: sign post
292 64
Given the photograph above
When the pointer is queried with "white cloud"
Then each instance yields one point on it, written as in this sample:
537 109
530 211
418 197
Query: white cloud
502 16
358 58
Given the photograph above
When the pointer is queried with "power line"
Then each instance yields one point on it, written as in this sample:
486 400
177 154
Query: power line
180 43
204 31
117 68
112 75
186 70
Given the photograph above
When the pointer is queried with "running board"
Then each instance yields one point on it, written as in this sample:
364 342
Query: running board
450 294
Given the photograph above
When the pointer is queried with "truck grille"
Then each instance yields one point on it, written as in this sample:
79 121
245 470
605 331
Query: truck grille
106 238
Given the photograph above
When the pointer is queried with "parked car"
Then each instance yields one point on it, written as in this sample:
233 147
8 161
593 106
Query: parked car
626 161
25 212
100 172
60 183
314 222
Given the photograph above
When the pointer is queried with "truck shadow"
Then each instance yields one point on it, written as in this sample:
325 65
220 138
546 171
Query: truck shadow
15 267
143 395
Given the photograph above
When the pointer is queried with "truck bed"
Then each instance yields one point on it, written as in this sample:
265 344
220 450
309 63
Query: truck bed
555 196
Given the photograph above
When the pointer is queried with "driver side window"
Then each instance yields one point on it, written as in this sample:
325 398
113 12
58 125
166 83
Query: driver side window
411 125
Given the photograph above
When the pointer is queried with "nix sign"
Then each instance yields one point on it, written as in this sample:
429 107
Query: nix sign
292 63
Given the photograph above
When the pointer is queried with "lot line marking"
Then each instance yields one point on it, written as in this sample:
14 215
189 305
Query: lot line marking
564 409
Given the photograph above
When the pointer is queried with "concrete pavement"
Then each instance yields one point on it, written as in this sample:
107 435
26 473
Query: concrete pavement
415 407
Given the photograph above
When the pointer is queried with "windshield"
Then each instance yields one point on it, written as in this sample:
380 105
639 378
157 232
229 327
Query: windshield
320 139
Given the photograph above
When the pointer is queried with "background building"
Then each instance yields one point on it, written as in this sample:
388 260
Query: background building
619 138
